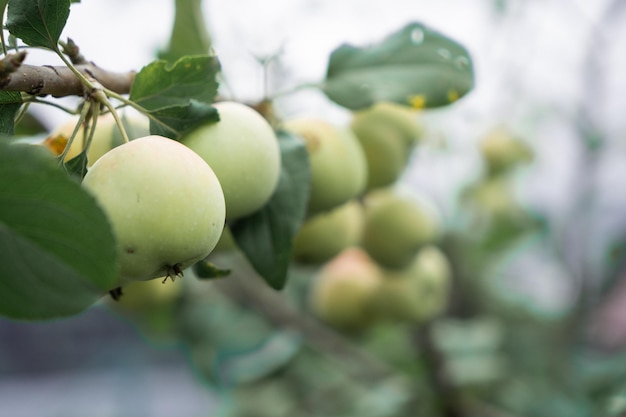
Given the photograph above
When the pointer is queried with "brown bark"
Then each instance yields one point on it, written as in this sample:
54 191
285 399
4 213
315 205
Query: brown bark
60 81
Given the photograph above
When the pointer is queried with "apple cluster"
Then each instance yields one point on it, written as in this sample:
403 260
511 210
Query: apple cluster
168 201
373 242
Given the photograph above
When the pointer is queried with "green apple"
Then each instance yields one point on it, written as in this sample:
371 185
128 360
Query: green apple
397 226
388 133
164 202
243 150
325 235
343 291
418 292
338 166
493 197
106 136
501 151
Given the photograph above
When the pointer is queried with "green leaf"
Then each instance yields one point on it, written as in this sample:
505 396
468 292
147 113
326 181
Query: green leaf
77 166
38 22
415 66
176 120
178 96
159 84
266 237
10 103
189 34
57 251
206 270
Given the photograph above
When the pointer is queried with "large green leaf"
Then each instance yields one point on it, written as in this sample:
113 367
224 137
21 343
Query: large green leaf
57 251
159 84
38 22
10 102
266 237
415 66
189 33
178 96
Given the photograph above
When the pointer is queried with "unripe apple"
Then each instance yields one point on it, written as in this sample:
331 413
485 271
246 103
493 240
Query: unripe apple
243 150
502 151
388 133
164 203
418 292
397 225
338 167
106 136
343 291
325 235
493 197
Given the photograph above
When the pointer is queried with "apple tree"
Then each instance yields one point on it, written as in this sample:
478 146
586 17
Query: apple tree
185 210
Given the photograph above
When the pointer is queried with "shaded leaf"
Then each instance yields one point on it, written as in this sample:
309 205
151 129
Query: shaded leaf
10 103
57 250
160 84
175 120
77 166
179 96
415 66
38 22
266 236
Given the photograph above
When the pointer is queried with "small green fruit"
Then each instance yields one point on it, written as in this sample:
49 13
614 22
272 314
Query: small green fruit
327 234
243 150
164 203
338 167
344 289
396 227
388 133
417 293
502 152
493 198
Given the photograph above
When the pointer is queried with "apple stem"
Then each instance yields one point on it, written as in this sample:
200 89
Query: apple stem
102 98
83 115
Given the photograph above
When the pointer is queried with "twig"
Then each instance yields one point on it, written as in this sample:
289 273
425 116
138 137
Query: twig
450 398
60 81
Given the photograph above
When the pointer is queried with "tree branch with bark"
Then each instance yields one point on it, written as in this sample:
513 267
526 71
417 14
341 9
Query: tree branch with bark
57 81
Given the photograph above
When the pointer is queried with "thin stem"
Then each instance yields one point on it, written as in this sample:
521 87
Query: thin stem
21 113
295 89
84 80
33 99
102 98
92 129
2 39
83 115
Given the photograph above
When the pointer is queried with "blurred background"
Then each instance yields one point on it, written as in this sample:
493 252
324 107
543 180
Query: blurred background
539 303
